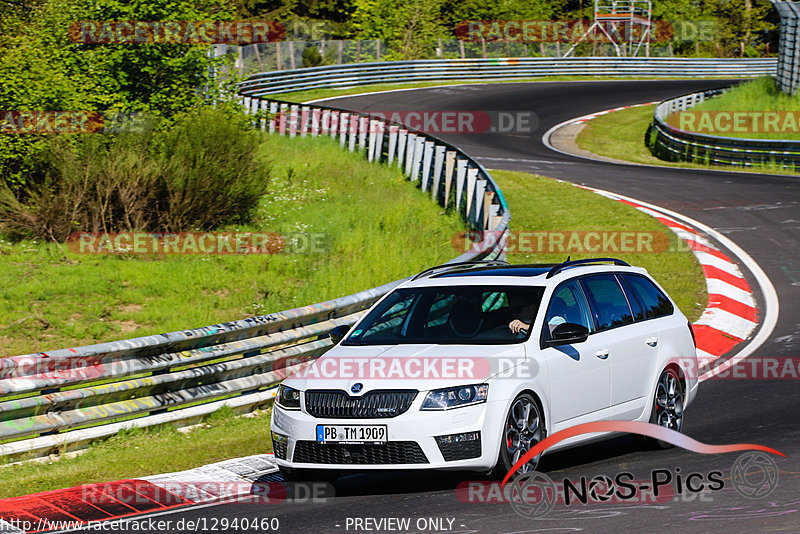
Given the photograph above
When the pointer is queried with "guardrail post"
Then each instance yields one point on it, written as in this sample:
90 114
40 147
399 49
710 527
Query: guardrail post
264 109
402 144
273 116
438 163
283 119
480 197
325 120
363 129
449 168
255 103
472 176
334 131
381 126
461 178
305 120
293 117
411 143
373 126
393 134
352 132
344 121
488 198
419 145
494 218
315 120
427 160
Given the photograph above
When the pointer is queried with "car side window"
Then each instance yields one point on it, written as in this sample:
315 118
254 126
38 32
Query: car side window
607 300
633 300
391 322
567 305
655 303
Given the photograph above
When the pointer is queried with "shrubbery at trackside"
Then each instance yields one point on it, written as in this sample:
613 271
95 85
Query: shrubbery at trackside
200 172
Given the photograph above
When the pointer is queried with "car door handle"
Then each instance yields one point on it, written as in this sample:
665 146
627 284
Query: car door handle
652 341
602 354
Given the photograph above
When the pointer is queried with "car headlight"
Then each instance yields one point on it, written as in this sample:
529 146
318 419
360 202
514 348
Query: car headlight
444 399
288 398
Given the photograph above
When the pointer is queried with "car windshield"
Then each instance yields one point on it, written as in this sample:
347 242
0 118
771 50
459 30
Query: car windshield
450 315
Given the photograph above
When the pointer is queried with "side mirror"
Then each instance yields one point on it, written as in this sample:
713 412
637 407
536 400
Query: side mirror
567 334
338 333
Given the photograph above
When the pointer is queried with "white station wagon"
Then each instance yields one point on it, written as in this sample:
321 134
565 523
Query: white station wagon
467 366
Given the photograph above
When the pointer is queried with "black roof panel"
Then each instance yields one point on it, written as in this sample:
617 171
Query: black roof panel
510 270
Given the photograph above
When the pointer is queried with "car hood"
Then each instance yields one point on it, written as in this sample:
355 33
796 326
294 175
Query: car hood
420 367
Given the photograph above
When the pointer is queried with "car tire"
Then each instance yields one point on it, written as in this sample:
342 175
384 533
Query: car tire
308 475
523 429
666 408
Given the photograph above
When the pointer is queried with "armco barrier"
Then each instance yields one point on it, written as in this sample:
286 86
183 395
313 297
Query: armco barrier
335 76
672 144
63 399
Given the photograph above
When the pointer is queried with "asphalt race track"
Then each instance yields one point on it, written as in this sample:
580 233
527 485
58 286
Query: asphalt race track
761 213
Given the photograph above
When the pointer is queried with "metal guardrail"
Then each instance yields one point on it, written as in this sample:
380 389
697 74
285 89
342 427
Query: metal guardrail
672 144
335 76
63 399
788 75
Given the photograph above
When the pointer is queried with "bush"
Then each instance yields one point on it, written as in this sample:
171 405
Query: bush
311 57
200 173
212 175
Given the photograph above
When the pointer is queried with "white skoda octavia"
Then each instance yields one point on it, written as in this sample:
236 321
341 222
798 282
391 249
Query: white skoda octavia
468 366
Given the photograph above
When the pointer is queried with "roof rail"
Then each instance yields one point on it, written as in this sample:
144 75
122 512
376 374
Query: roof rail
474 263
574 263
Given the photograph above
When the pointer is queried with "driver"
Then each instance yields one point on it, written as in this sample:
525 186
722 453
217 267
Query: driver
523 317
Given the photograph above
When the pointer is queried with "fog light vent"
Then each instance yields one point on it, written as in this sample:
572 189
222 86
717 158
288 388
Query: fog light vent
459 446
280 444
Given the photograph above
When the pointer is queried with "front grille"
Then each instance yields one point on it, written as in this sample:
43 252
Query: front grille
460 450
393 452
372 405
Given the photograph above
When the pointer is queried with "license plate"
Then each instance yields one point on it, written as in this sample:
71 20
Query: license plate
355 434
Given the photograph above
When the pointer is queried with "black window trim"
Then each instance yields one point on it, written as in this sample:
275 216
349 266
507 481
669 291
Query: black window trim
576 279
589 301
633 292
630 293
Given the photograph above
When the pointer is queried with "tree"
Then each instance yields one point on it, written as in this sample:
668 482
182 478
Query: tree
410 27
43 69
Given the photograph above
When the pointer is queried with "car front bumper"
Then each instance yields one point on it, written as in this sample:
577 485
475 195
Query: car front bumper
411 440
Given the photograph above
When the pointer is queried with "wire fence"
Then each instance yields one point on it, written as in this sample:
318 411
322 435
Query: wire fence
288 55
788 75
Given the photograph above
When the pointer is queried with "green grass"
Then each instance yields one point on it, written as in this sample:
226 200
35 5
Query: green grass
376 228
538 203
142 452
761 94
315 94
621 135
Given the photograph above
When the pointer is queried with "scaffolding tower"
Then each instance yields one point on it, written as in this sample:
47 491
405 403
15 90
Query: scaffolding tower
632 17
